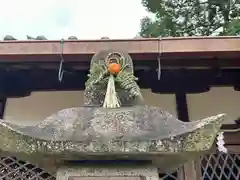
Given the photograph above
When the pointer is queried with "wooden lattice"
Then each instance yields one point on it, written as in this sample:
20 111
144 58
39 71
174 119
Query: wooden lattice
221 167
13 169
214 167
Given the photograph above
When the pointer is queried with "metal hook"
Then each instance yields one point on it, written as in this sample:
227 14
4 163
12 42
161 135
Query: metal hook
60 70
159 68
159 58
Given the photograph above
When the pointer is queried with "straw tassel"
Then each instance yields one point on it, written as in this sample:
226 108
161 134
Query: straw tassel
111 100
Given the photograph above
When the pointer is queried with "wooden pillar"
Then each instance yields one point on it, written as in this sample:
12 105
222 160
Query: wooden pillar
3 101
182 106
191 170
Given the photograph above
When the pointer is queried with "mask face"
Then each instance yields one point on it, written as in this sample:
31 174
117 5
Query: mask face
115 67
113 58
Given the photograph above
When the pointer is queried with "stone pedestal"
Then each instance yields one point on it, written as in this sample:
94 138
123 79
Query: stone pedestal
107 173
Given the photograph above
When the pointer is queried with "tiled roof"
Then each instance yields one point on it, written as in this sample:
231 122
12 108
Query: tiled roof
41 37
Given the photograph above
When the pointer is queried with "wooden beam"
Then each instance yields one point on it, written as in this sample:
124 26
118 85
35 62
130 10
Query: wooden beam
227 127
232 138
173 47
77 46
233 149
201 44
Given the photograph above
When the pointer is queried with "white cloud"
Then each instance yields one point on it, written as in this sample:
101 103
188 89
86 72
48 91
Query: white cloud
86 19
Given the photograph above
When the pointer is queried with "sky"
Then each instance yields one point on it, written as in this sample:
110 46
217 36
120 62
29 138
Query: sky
56 19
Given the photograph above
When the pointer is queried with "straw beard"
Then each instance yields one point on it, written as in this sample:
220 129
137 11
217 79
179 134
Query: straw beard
111 99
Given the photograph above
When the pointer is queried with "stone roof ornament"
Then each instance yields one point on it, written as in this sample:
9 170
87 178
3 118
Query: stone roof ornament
113 124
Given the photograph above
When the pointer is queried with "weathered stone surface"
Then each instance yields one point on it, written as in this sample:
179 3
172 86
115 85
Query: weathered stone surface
130 173
137 123
133 129
144 134
107 178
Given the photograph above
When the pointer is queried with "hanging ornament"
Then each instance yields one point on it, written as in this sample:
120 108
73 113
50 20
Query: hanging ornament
115 71
114 68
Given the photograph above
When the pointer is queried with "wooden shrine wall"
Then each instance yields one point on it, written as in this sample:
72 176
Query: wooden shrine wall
35 108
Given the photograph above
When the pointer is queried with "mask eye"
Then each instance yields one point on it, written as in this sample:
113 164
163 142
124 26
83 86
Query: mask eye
113 58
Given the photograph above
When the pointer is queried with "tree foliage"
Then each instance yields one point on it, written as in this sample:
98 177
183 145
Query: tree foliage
191 18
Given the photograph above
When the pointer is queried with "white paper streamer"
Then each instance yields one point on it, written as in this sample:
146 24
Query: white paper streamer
220 143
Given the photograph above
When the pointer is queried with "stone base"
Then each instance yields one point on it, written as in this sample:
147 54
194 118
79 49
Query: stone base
107 173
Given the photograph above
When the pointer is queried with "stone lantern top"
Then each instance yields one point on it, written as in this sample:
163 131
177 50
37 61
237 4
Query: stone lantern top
114 123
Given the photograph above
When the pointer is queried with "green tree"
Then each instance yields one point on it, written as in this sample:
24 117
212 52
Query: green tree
191 18
233 27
